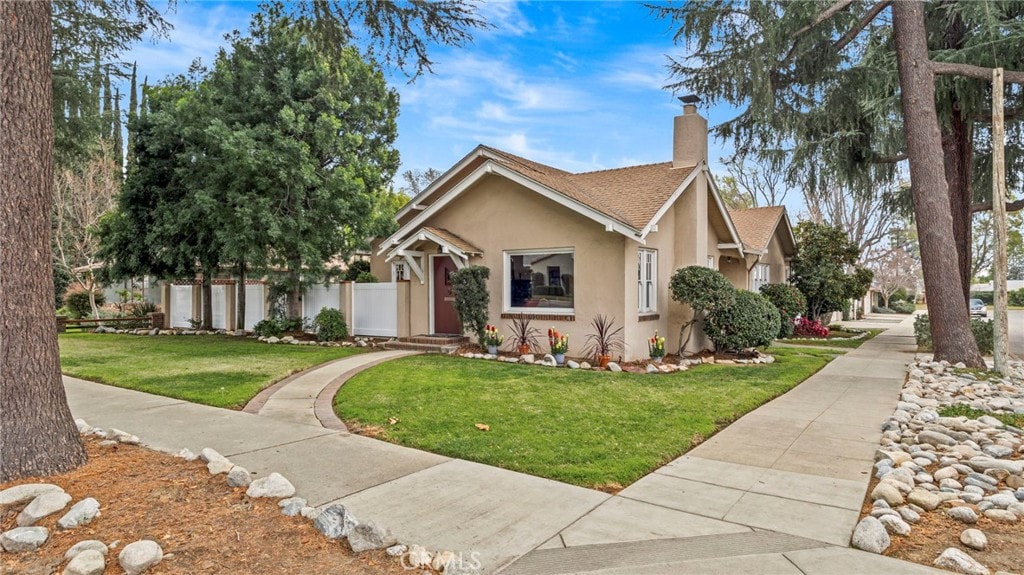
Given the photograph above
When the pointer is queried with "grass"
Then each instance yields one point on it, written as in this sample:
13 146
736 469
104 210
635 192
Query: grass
213 370
841 344
1014 419
594 429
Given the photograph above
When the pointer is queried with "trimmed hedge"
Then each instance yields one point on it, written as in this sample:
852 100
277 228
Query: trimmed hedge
788 301
750 322
330 325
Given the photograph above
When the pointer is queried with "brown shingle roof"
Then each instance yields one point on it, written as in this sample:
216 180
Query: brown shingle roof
454 240
630 195
755 226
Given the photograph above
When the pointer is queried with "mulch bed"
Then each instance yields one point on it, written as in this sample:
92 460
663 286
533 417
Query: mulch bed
203 525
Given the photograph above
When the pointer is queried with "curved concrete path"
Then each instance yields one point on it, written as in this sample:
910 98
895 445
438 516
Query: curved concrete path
776 492
308 397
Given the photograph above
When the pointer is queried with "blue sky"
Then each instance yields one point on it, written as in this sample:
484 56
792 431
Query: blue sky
577 85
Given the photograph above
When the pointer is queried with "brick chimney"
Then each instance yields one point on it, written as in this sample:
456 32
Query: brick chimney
690 136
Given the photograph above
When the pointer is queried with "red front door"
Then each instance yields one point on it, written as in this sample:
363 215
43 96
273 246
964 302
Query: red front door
446 320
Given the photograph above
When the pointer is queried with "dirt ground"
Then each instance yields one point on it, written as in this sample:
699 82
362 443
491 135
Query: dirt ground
203 525
936 532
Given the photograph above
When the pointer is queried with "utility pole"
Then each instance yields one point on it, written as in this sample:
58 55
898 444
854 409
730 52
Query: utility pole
1001 346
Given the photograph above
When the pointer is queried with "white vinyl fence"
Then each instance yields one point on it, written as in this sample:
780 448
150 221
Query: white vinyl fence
317 297
255 304
219 303
181 305
375 309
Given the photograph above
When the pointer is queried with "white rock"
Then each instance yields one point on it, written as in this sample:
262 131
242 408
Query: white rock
77 548
139 556
585 365
88 562
186 455
207 455
273 485
417 556
216 467
292 506
652 368
924 499
81 513
887 492
974 539
46 504
396 550
20 494
368 536
239 477
870 535
894 524
956 560
572 364
614 367
22 539
309 512
963 514
335 522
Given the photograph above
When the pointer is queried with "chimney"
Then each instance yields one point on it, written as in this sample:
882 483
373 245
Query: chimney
690 136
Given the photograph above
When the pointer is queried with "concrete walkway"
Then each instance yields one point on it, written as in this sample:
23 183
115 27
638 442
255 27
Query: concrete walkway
776 492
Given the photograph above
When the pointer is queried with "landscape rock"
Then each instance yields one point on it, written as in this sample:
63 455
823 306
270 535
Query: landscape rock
309 512
22 539
924 499
368 536
974 539
21 494
207 455
963 514
216 467
186 455
585 365
88 562
335 522
239 477
81 513
417 556
908 514
396 550
141 555
1001 515
614 367
273 485
960 562
572 364
887 492
292 506
870 535
88 544
45 504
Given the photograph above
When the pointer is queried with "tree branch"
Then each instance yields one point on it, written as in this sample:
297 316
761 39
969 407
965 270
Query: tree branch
971 71
987 206
868 17
830 12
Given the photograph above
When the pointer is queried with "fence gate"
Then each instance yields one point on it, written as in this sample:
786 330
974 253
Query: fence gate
181 305
375 309
255 304
219 304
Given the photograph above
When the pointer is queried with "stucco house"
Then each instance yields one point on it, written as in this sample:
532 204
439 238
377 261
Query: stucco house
563 247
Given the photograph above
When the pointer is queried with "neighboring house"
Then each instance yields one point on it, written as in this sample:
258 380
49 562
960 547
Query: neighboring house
1011 285
563 247
768 246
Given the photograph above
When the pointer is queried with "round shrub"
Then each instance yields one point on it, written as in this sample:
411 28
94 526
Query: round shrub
267 328
366 278
788 301
76 301
702 288
330 325
750 322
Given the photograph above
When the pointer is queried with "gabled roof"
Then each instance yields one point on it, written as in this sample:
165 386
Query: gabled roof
756 226
453 240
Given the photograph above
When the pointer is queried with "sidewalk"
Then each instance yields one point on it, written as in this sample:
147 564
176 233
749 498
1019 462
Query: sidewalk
776 492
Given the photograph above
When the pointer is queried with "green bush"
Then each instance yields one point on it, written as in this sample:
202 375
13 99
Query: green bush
703 289
267 328
141 308
900 295
469 286
902 306
330 325
788 301
76 300
355 268
750 322
1016 297
982 329
366 278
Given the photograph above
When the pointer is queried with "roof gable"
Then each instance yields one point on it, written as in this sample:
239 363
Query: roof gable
757 226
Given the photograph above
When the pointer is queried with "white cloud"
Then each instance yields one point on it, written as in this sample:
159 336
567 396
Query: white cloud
639 68
506 17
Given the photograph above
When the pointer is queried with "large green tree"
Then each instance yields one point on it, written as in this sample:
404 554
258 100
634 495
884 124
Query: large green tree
825 270
820 81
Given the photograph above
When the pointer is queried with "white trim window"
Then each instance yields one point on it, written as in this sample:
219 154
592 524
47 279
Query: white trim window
647 280
398 272
540 281
760 275
711 262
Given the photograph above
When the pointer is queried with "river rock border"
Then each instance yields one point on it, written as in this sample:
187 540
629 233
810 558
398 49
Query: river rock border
333 521
959 466
860 335
548 360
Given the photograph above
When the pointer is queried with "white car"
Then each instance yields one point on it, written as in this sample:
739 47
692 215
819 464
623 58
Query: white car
978 308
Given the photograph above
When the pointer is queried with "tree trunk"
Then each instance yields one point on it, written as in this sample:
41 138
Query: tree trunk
294 291
950 323
240 298
37 433
958 156
885 296
207 300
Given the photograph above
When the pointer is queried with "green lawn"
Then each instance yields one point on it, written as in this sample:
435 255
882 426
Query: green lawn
841 344
215 370
595 429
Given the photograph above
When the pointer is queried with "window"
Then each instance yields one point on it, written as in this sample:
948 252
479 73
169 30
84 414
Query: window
760 276
711 262
398 271
647 280
540 280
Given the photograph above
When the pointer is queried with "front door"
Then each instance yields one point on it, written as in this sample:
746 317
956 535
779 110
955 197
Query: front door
446 320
